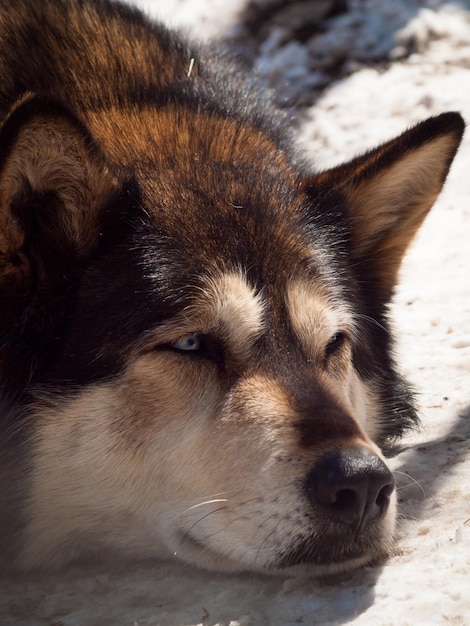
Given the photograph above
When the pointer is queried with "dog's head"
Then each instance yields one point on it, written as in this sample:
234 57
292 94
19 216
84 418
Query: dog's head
199 331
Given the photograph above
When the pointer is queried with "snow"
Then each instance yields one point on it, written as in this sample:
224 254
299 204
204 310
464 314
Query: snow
405 60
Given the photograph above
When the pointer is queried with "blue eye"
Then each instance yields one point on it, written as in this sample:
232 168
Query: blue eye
187 343
201 346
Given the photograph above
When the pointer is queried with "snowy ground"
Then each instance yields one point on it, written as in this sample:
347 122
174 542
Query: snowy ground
395 63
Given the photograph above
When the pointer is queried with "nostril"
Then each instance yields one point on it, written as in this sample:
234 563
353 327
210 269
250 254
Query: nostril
352 486
383 497
346 500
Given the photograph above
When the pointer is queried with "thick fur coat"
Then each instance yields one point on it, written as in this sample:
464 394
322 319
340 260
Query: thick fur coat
195 355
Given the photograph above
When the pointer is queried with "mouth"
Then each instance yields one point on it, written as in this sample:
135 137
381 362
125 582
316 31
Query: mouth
307 559
336 552
193 551
301 560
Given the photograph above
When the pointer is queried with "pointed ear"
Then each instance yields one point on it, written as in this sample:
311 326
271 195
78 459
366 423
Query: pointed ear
388 193
55 188
53 185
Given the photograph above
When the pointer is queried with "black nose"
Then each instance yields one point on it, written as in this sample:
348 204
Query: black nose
353 486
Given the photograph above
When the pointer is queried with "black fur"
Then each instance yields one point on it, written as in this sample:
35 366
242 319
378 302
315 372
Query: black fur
189 173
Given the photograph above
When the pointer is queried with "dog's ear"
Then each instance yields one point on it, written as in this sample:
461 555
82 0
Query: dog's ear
53 186
388 193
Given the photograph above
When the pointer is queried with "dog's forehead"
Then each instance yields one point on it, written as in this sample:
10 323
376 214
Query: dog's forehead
245 254
257 227
218 179
243 237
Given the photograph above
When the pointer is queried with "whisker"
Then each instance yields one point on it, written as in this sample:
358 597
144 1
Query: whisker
228 522
195 506
213 495
412 482
198 521
404 518
274 530
209 499
368 318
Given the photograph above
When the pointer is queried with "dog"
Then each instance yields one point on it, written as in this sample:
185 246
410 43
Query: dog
195 353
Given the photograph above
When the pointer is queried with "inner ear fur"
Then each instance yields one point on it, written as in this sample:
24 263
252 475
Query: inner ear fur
55 190
388 193
53 186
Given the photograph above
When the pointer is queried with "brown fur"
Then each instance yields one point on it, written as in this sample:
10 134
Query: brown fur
194 345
